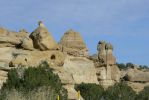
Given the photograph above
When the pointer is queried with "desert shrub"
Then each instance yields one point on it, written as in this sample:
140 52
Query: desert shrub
32 79
144 94
120 91
90 91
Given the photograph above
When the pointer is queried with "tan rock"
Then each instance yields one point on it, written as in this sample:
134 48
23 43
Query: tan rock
135 75
105 54
137 87
108 76
26 42
3 77
6 55
81 69
3 73
73 44
108 72
8 38
115 73
42 39
34 58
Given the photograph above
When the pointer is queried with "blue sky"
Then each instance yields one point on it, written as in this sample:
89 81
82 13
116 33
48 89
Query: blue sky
124 23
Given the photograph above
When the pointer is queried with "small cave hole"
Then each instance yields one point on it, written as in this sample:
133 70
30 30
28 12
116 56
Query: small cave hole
53 57
25 59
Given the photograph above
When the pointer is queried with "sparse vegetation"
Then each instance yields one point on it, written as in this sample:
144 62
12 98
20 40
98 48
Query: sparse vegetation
40 81
144 94
31 80
90 91
123 66
120 91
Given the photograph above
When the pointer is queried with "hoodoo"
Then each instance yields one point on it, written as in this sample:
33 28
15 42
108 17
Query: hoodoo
73 44
42 39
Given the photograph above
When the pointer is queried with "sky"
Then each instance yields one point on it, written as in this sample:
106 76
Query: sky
124 23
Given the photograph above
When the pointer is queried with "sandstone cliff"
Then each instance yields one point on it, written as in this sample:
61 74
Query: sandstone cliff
69 58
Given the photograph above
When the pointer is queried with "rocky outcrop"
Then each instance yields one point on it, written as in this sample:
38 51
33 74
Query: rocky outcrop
14 39
8 38
137 87
105 54
81 69
69 59
34 58
75 71
42 39
135 75
73 44
26 42
3 77
107 71
6 55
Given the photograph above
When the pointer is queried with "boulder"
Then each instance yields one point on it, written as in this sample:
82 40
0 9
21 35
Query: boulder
26 41
135 75
42 39
73 44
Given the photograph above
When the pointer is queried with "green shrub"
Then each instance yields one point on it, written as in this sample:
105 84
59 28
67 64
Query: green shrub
121 66
144 94
120 91
90 91
32 79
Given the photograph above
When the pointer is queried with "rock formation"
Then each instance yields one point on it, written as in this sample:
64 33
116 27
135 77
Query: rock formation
136 78
105 55
26 42
73 44
69 58
107 71
8 38
18 49
135 75
42 39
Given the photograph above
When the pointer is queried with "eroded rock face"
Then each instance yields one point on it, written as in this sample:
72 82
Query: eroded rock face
15 39
3 77
6 55
108 72
8 38
135 75
105 54
42 39
73 44
81 69
77 70
34 58
26 42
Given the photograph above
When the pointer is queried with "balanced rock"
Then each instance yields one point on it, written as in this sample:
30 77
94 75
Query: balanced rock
105 54
42 39
73 44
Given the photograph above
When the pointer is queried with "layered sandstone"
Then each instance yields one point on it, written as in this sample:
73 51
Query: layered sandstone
73 44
